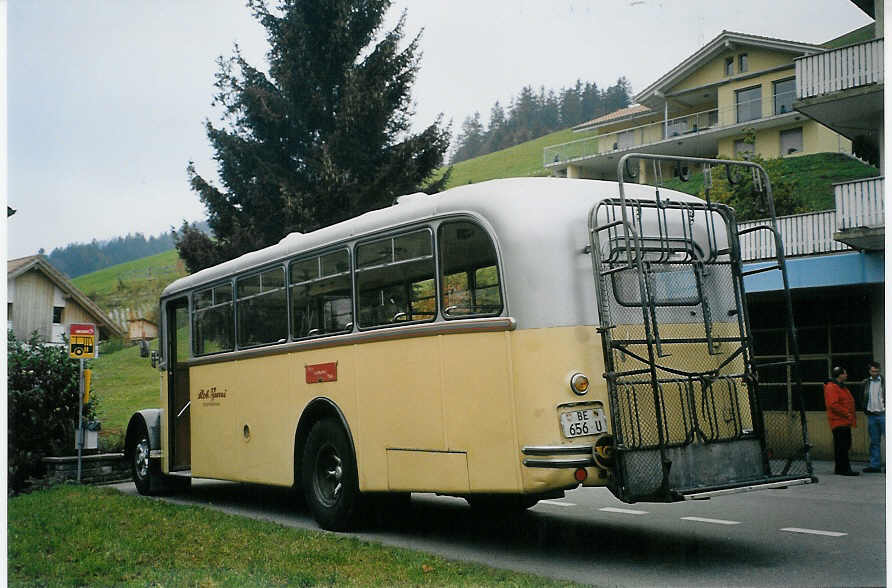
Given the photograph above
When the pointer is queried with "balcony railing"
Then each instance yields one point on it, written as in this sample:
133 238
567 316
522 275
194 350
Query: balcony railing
802 234
683 126
859 203
839 69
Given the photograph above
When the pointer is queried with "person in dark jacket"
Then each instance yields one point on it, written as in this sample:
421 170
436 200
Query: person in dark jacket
874 398
841 413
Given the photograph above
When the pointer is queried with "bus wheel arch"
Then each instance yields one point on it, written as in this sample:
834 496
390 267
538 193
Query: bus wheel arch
318 409
142 437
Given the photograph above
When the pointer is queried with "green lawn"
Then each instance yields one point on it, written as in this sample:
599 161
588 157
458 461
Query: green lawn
86 536
124 382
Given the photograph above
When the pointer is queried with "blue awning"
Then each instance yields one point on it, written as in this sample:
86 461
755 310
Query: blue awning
820 271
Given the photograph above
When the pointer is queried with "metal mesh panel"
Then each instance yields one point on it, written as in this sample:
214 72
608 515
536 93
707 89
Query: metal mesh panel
684 397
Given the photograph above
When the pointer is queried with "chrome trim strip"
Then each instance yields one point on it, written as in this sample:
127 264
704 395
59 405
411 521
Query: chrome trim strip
753 488
557 450
556 463
155 454
476 325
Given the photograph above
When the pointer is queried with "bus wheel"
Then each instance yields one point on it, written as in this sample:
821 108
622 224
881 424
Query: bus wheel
145 476
330 481
500 503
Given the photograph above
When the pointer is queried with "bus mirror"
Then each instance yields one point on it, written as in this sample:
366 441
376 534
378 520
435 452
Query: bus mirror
155 359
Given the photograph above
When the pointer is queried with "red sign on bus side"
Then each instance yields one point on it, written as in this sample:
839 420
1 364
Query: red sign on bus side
322 372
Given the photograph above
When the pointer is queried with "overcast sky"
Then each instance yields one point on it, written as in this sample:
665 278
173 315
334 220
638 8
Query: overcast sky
106 98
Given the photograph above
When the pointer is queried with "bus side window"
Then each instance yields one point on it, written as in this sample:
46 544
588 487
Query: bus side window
212 320
395 280
321 295
262 309
469 271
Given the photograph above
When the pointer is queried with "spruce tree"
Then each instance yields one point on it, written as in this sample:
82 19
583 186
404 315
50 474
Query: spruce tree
325 135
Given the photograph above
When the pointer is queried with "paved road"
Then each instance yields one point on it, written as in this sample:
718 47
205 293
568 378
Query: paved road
828 534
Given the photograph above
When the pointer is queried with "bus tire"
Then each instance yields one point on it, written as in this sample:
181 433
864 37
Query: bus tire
145 473
497 504
329 476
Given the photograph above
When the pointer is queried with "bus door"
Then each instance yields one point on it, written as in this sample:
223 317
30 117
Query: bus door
682 382
178 415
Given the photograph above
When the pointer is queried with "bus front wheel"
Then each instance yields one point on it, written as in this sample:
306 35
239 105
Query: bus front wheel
330 481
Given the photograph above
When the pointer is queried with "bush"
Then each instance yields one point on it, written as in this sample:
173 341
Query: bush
42 394
112 345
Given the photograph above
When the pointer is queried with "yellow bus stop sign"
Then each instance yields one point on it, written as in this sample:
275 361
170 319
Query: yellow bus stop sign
82 341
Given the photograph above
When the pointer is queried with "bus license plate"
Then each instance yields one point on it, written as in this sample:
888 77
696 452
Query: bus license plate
578 423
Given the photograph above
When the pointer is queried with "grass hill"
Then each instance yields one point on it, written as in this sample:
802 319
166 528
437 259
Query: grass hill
134 285
522 160
814 176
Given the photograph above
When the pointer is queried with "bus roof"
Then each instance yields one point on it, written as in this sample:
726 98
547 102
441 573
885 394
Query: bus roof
533 218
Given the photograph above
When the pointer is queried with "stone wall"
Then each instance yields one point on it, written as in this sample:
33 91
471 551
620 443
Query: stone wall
95 469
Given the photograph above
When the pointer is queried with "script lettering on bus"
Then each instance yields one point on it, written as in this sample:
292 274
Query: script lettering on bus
211 394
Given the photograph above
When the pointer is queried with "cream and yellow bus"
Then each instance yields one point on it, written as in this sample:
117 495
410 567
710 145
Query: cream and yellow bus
503 342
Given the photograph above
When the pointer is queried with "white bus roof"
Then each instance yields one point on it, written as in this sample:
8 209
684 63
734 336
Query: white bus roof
540 225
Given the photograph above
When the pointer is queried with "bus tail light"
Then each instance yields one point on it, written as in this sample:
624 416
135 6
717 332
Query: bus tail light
580 474
579 384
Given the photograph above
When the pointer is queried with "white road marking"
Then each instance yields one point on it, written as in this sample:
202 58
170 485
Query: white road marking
624 510
814 532
714 521
556 503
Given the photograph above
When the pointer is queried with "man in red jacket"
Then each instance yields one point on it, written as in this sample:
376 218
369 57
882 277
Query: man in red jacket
841 414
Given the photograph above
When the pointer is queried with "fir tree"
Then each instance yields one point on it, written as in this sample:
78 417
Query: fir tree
323 137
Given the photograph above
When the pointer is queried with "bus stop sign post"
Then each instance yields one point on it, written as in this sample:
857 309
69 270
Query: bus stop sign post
81 345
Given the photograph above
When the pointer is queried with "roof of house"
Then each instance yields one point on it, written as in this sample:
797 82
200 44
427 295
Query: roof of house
725 40
633 111
17 267
142 320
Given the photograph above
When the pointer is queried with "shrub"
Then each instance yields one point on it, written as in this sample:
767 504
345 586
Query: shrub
42 394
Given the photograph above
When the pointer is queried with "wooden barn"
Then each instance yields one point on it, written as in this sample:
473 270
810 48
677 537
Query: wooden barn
141 329
40 298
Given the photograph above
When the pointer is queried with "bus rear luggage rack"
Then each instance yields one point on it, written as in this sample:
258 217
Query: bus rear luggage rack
690 398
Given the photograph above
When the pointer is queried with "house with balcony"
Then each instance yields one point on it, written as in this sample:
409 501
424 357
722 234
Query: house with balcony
795 99
736 86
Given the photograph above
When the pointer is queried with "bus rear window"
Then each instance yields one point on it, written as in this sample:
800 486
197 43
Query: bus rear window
212 320
262 309
671 285
469 271
395 280
321 304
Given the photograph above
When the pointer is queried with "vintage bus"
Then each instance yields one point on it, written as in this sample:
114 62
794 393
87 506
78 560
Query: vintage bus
503 342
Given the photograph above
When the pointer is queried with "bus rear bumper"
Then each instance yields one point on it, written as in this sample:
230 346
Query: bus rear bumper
582 456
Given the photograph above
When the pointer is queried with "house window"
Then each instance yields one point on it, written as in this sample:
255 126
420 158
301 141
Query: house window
57 315
729 66
741 147
749 104
783 95
741 63
791 141
625 139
